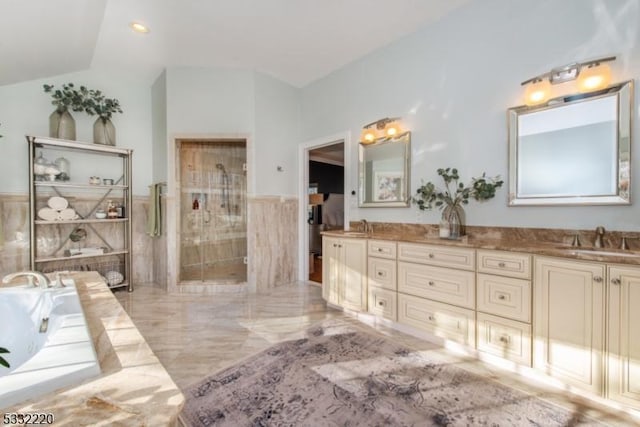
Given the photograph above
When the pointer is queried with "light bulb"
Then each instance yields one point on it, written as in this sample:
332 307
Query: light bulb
595 76
537 92
368 135
392 129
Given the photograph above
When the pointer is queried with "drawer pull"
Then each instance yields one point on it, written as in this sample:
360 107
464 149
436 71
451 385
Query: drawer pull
504 339
431 255
616 281
381 303
431 318
380 273
502 265
502 297
431 283
335 246
379 249
597 279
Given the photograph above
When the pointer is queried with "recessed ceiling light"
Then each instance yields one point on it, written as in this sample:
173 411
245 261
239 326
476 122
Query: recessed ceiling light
139 28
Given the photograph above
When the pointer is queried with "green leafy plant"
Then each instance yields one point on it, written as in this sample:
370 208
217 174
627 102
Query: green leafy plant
96 103
455 192
3 361
68 97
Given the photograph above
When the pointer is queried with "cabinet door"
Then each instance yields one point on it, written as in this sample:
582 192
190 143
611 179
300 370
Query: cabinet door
352 277
569 321
330 269
623 337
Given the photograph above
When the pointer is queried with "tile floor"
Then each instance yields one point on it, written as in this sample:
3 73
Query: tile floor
196 335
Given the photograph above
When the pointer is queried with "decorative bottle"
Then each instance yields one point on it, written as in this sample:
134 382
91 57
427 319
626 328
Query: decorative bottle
112 211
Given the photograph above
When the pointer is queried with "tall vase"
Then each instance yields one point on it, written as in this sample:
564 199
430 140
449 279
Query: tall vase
454 216
62 125
104 132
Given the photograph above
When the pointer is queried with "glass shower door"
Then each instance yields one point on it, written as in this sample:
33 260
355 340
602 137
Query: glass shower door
213 211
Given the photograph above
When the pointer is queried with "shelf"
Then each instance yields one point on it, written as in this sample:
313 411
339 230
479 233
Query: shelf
44 142
119 285
80 221
67 258
59 184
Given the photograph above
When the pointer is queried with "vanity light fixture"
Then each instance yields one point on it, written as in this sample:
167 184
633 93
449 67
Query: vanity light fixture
139 27
388 127
590 75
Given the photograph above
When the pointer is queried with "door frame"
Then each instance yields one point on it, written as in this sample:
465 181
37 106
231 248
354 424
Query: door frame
303 185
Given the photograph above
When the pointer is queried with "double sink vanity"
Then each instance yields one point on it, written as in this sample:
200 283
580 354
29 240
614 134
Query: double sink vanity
525 297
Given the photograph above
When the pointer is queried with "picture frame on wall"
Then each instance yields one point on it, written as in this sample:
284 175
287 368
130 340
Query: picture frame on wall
388 186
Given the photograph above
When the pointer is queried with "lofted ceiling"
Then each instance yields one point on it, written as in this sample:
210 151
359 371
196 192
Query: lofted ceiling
297 41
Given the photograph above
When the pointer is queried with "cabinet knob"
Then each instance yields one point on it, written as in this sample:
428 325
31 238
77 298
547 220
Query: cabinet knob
431 255
504 339
339 246
335 246
502 297
616 281
597 279
502 265
431 283
431 318
381 303
380 273
379 249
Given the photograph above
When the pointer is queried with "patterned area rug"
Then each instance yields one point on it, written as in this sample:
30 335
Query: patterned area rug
342 376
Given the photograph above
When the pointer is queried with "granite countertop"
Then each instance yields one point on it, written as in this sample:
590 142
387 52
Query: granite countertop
549 248
133 389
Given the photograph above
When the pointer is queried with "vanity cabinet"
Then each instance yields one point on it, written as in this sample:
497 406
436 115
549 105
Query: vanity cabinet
344 266
382 279
504 305
65 231
623 338
569 321
436 290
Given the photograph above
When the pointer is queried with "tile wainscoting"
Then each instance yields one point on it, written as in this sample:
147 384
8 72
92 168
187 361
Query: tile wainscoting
14 254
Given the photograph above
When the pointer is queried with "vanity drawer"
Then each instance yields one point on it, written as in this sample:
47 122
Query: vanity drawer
443 320
383 303
441 284
505 296
437 255
505 338
505 264
382 249
382 273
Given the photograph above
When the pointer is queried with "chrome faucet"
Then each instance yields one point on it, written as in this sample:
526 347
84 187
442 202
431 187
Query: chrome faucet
41 280
598 243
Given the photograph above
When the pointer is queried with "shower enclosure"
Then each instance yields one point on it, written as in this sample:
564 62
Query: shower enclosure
213 211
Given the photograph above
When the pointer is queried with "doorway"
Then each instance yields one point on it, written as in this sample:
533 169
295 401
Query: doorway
324 200
212 190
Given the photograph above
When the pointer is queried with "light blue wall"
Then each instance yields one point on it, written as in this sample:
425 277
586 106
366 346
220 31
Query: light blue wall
25 110
277 136
159 128
452 83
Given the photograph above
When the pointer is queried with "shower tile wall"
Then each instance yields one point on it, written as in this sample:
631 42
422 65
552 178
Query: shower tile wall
14 254
213 229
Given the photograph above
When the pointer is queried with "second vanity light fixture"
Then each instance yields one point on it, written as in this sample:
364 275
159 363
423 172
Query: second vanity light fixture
590 75
389 127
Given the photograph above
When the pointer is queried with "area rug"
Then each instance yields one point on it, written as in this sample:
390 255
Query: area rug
343 376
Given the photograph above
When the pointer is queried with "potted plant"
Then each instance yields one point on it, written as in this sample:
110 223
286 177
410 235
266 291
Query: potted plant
3 361
61 123
103 130
453 197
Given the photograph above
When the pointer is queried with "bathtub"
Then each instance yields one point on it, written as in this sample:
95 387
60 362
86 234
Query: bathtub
41 362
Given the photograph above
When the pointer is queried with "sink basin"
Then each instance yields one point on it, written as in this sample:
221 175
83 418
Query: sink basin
600 252
355 234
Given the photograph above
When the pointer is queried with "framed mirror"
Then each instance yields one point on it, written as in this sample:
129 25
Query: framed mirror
574 150
384 172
